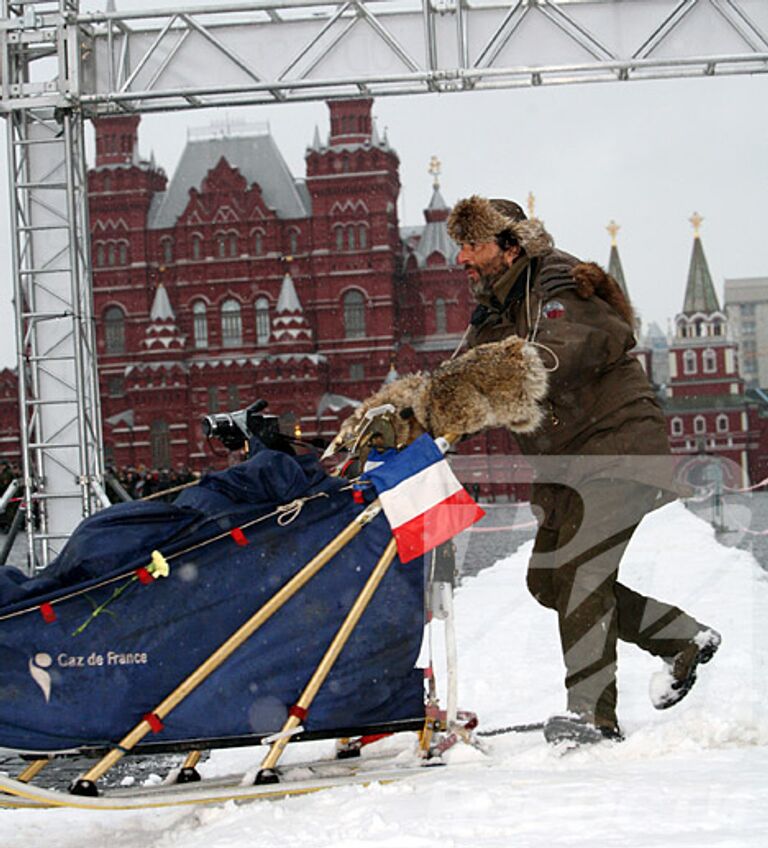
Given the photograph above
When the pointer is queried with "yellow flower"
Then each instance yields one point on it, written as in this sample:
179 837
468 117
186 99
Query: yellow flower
159 566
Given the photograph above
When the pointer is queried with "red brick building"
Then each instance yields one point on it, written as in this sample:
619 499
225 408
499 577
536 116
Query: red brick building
235 280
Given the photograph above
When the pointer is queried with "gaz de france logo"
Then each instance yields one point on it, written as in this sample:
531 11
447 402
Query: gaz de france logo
41 664
37 668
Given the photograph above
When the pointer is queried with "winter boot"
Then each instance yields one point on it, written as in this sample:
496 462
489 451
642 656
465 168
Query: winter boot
671 685
578 730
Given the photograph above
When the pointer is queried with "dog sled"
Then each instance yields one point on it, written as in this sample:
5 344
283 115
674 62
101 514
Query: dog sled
266 605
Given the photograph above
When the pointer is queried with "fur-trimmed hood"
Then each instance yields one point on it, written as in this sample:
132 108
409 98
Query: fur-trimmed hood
477 219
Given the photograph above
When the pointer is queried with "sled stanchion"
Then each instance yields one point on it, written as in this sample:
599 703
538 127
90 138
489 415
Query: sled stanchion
266 773
86 785
188 773
32 770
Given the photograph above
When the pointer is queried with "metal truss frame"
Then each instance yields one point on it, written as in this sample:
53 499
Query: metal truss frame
289 50
60 66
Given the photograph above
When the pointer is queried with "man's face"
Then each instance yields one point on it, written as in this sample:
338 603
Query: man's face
485 259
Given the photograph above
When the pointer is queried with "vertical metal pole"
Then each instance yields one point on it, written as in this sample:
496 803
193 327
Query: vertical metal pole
58 382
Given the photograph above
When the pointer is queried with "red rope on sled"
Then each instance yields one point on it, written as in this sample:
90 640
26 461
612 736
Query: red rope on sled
299 712
237 534
154 721
48 613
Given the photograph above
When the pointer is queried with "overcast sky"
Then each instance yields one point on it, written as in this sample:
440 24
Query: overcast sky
647 154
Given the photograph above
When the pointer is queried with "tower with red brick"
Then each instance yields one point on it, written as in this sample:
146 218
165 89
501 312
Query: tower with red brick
705 403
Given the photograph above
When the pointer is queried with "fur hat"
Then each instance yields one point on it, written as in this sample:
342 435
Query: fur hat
477 219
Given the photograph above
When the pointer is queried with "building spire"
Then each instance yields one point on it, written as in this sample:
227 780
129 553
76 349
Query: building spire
162 334
434 169
700 293
290 325
615 268
696 221
316 145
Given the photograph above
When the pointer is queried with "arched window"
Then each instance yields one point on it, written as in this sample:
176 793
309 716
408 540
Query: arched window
197 247
721 423
262 321
677 426
107 183
354 315
114 330
111 258
699 327
123 253
339 237
167 250
362 236
213 399
717 327
293 242
160 441
99 254
351 237
440 316
258 243
221 246
200 323
233 245
689 362
710 362
699 425
231 324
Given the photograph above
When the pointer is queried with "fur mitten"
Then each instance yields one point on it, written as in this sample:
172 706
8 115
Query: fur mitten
493 385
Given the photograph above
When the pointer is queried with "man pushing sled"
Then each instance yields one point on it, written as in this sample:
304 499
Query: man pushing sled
549 359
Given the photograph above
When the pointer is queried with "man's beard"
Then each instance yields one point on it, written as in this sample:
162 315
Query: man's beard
484 283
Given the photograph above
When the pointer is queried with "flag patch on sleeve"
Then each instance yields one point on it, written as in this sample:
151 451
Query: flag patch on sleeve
553 309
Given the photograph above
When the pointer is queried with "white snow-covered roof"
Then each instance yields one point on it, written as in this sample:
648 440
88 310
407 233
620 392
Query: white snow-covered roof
288 300
161 306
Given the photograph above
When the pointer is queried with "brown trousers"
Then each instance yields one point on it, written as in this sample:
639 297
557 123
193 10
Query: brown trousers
574 571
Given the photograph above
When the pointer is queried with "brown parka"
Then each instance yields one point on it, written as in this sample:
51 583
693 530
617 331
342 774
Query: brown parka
596 389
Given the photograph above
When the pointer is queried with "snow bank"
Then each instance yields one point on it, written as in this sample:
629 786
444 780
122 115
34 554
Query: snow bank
692 776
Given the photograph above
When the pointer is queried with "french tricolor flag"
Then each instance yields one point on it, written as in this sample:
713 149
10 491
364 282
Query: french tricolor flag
424 502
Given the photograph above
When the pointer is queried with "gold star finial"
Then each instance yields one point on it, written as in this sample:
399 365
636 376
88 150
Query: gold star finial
434 168
613 228
696 220
530 202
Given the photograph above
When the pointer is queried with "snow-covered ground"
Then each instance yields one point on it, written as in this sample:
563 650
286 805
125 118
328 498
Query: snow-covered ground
696 775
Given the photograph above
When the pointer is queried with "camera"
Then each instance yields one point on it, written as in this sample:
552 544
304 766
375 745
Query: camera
235 429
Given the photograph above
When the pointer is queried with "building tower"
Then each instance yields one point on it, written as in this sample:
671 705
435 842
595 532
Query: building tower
353 183
640 351
434 298
705 404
